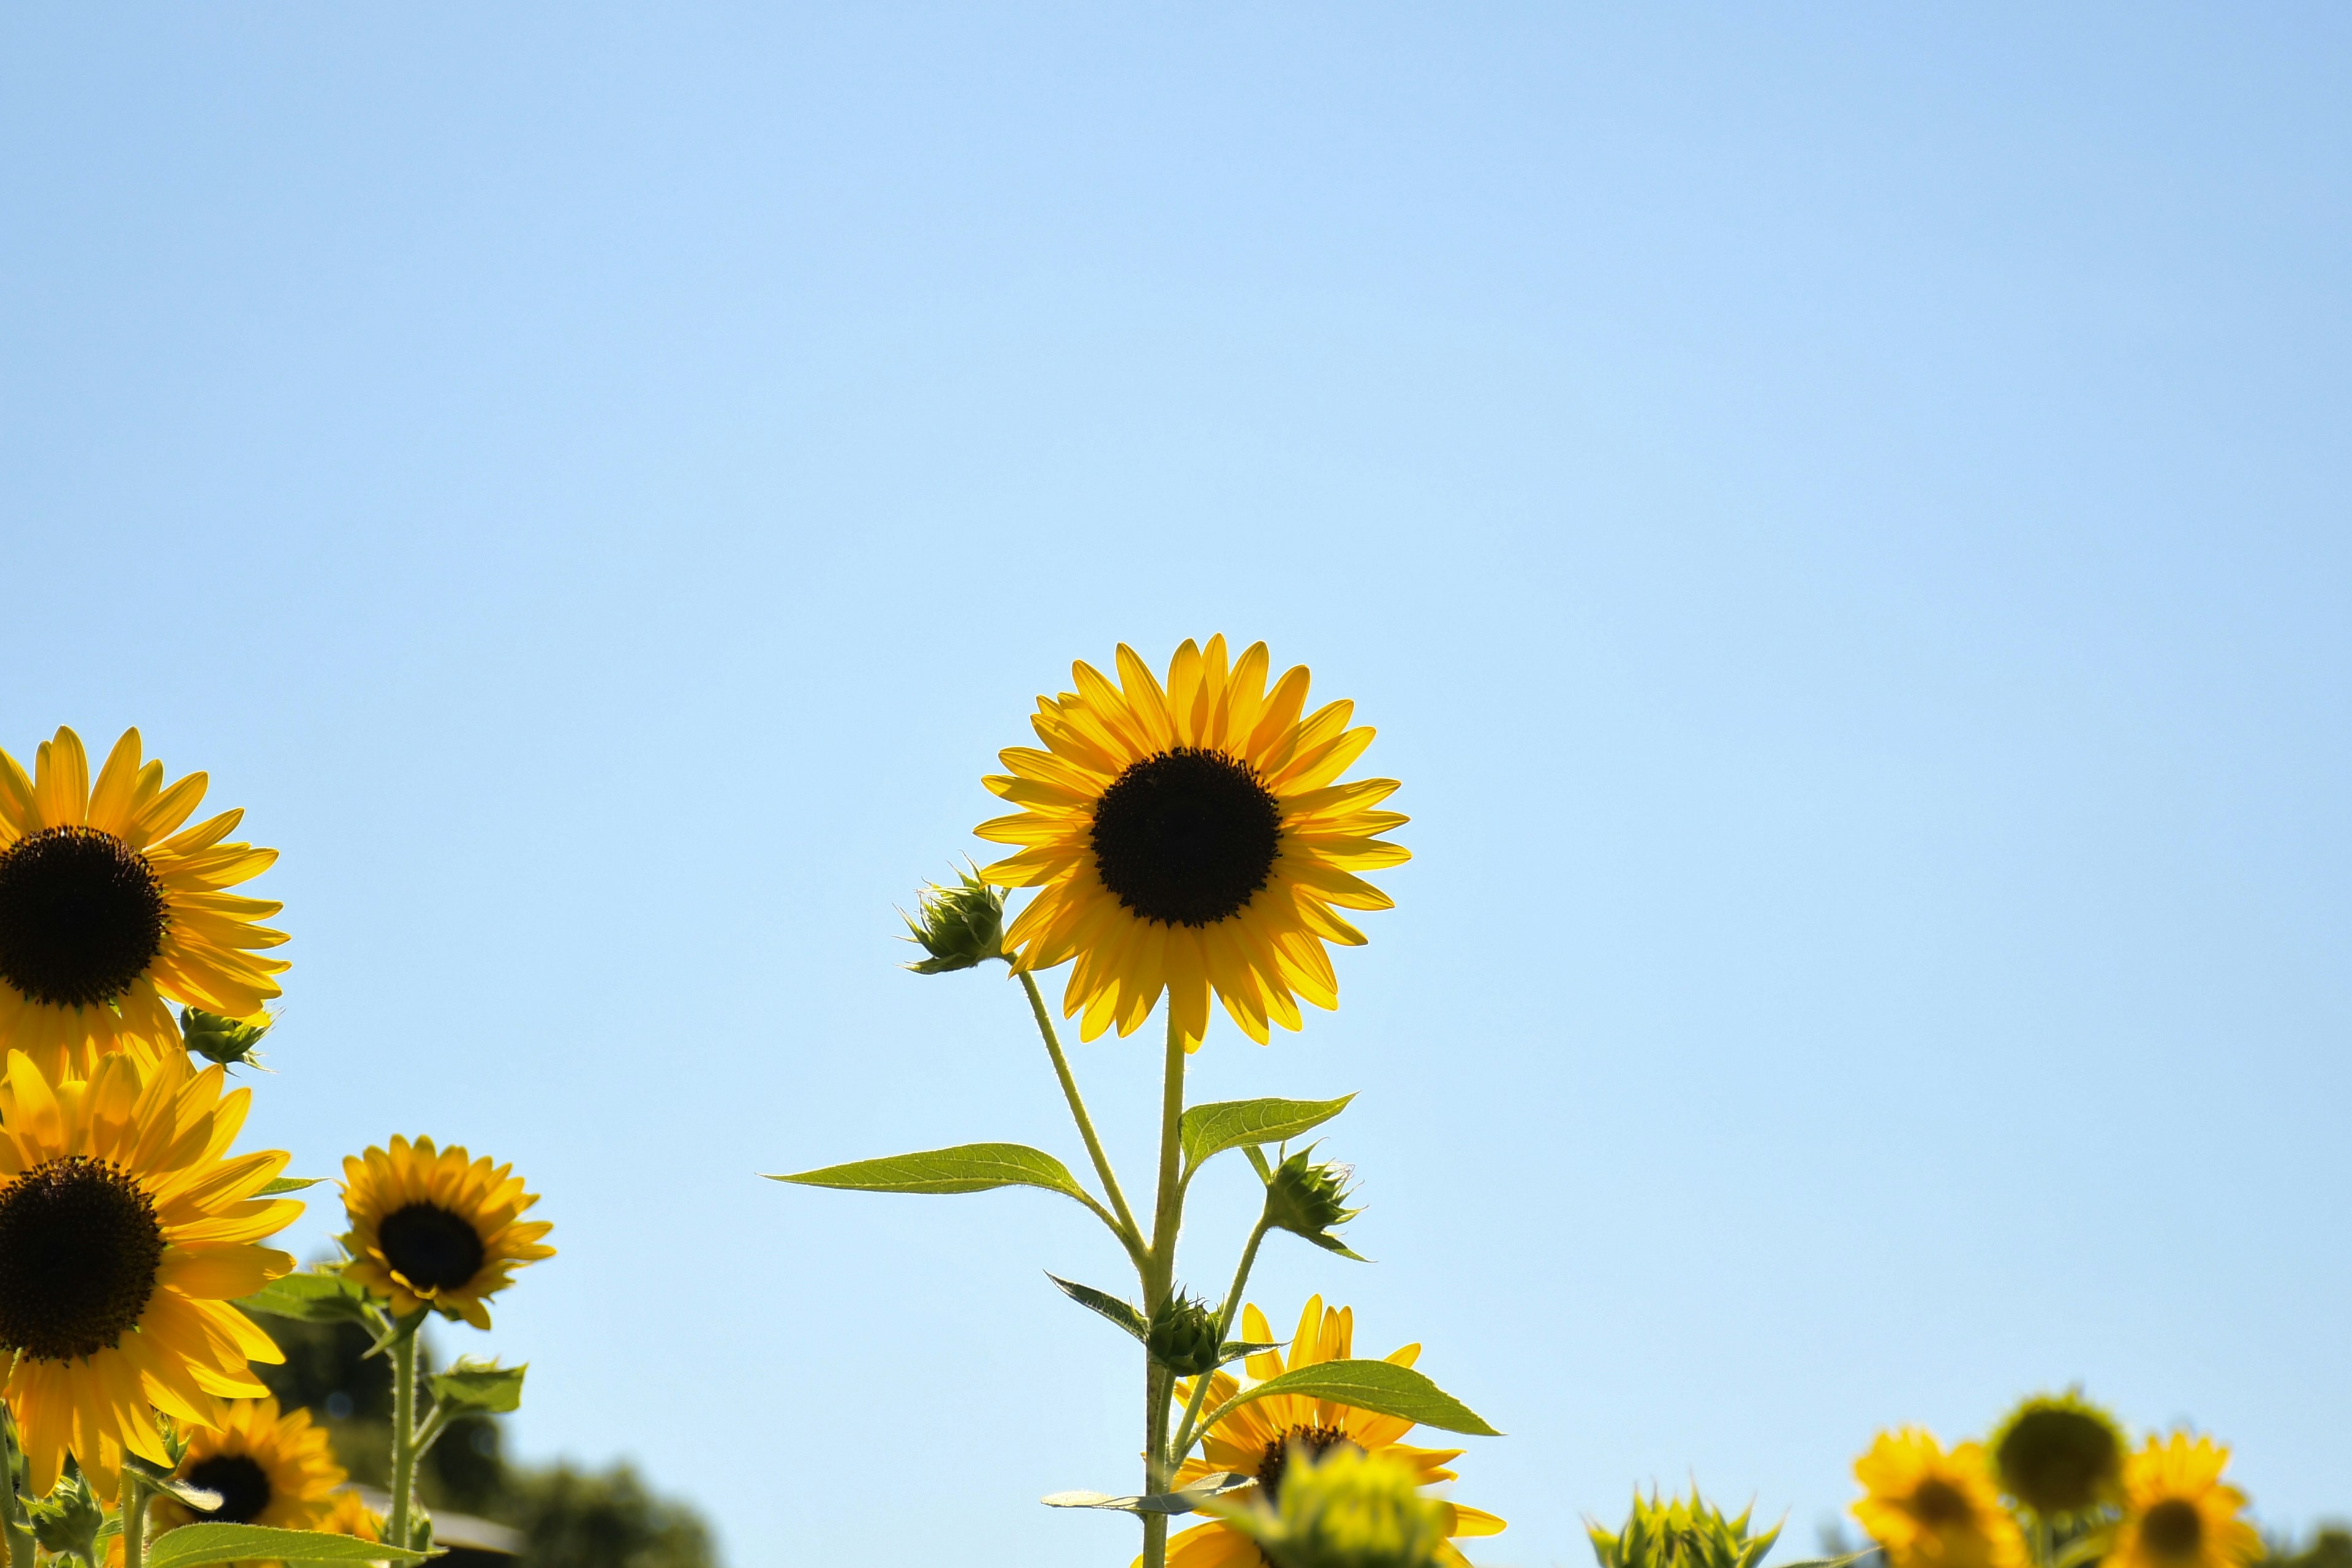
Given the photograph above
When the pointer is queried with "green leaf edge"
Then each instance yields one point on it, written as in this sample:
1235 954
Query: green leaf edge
241 1542
1304 1380
1319 1113
1104 1304
869 1175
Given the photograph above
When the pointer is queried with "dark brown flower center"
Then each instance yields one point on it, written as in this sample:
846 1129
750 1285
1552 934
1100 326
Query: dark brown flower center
81 916
243 1484
1939 1505
2057 1460
2173 1529
430 1248
79 1246
1313 1440
1186 837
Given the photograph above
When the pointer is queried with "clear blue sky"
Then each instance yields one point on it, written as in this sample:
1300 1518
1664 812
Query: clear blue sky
1838 514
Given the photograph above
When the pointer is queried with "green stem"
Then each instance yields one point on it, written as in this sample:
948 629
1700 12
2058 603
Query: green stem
12 1506
1185 1431
1158 1279
134 1518
404 1437
1125 1228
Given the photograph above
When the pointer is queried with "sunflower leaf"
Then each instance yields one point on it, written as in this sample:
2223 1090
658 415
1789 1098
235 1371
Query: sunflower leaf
1109 1305
966 1168
1210 1130
480 1385
1234 1350
1379 1387
1185 1501
192 1544
289 1184
314 1297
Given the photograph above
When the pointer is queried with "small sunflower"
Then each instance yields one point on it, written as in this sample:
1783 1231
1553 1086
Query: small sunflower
435 1229
269 1466
109 906
126 1231
2179 1512
2059 1455
349 1514
1259 1438
1190 837
1929 1509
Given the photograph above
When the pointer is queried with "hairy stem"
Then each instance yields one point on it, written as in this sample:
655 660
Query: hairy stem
1126 1227
134 1518
1166 1221
1186 1431
12 1506
404 1437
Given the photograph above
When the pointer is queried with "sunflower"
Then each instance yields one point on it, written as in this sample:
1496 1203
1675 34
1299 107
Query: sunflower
1190 837
269 1467
2059 1455
1259 1438
1929 1509
349 1514
109 906
431 1228
126 1229
2179 1514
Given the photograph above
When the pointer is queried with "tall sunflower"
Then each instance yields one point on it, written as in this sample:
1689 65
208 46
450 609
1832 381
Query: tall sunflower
109 907
1190 837
2179 1512
1929 1509
435 1229
126 1230
269 1466
1259 1438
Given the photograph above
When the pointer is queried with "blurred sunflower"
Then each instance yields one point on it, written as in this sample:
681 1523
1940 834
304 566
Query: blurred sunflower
435 1229
109 906
1929 1509
269 1466
126 1231
349 1514
2179 1514
1260 1437
2059 1455
1190 837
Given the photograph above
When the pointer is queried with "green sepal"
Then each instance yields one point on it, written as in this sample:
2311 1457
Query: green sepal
1109 1305
287 1185
1381 1388
314 1297
1257 1160
1211 1130
1333 1244
1188 1500
192 1544
1235 1349
480 1385
966 1168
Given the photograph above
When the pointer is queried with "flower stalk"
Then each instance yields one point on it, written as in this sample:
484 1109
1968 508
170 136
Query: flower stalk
398 1529
134 1518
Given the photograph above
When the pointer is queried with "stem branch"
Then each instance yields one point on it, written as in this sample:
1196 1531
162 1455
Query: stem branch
1185 1432
1128 1233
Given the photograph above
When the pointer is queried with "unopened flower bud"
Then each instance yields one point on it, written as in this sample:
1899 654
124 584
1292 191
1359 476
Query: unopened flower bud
960 927
228 1041
1308 1198
1183 1336
1348 1509
65 1522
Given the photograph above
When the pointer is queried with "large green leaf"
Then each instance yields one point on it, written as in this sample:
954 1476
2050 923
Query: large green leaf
480 1385
317 1297
1185 1501
1226 1124
192 1544
1103 1302
966 1168
287 1185
1379 1387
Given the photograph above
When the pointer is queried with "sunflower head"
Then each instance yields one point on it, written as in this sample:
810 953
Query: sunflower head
1183 1335
1340 1507
267 1465
349 1514
109 906
1930 1509
2059 1455
1190 836
1680 1533
435 1228
2179 1512
1308 1198
232 1042
962 927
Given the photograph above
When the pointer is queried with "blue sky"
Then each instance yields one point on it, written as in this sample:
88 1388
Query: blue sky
1838 513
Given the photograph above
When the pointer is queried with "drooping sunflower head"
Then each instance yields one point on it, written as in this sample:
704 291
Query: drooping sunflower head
126 1231
437 1228
110 906
2179 1512
2059 1455
1264 1438
1190 837
269 1466
1930 1509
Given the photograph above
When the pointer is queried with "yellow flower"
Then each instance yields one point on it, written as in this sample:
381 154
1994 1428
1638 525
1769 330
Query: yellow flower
2178 1511
1933 1510
1259 1438
269 1467
126 1231
1190 837
349 1514
432 1228
109 906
